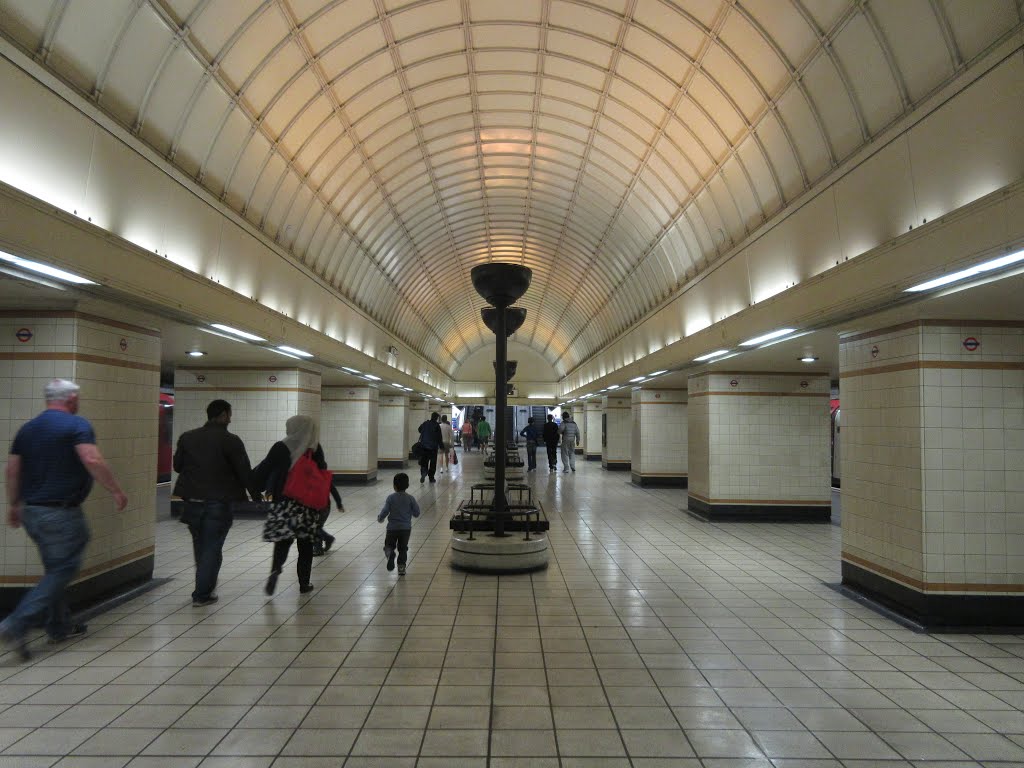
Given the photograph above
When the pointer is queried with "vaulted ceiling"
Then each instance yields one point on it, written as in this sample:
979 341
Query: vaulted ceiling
616 147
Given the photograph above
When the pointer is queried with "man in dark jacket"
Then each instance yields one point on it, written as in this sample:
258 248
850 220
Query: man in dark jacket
551 442
213 470
430 441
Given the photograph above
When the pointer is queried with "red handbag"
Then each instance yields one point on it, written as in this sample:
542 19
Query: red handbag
308 484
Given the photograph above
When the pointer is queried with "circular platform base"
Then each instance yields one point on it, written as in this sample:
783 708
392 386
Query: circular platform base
511 554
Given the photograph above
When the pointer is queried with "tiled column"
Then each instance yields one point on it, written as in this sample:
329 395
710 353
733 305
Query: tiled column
262 400
579 415
392 432
419 411
659 437
117 366
617 413
348 432
759 446
592 412
933 470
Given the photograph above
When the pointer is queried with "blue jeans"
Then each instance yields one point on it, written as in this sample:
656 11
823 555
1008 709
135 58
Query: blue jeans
61 535
531 455
209 523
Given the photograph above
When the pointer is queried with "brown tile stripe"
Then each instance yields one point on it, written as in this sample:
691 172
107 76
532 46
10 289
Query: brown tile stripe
798 374
733 393
77 357
765 502
71 314
355 471
932 324
661 402
351 400
268 368
87 572
248 389
929 586
948 365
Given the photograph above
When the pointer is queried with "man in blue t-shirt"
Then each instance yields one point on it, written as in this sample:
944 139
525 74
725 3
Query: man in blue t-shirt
50 471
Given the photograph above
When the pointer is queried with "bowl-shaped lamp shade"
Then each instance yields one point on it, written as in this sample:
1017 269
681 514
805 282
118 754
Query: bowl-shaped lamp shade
501 284
510 368
514 319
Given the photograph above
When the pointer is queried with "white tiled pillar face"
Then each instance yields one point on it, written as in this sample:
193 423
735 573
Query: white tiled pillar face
419 411
349 431
759 446
592 431
392 431
659 454
262 400
933 467
579 415
618 447
117 366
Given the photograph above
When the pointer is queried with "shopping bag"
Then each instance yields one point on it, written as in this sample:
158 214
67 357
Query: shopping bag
308 484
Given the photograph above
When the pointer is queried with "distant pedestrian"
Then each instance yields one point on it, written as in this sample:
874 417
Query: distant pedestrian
50 471
467 436
290 520
532 435
213 471
399 510
483 432
550 436
430 440
447 436
569 432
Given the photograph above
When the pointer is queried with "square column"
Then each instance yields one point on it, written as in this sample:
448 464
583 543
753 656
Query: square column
617 432
117 365
348 432
659 437
419 411
759 446
392 431
579 415
262 400
592 412
933 470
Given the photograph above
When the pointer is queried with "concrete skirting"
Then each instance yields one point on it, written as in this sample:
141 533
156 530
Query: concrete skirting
593 456
392 463
355 478
667 481
94 588
617 466
758 513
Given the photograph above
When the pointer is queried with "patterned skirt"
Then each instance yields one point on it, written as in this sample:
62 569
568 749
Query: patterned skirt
288 519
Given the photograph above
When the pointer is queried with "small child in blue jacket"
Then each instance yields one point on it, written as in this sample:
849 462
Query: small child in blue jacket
399 510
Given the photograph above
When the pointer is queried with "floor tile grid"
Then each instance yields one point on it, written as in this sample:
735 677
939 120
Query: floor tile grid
946 750
12 750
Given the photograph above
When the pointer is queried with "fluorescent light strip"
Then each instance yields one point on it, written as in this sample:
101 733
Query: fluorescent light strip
371 377
294 351
222 335
45 269
540 397
351 370
985 266
613 386
283 354
236 332
767 337
709 355
656 373
638 378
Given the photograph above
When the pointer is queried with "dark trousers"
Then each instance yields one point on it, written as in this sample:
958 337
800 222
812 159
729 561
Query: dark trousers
531 455
552 455
61 535
428 463
304 565
399 540
209 523
321 521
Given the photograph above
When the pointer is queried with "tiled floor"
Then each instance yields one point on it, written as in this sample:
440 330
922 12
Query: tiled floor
651 640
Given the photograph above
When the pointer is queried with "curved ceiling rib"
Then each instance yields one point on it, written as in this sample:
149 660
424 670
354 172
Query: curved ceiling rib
616 147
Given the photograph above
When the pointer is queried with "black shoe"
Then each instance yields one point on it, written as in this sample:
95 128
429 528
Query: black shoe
19 645
401 570
272 582
76 630
422 478
201 602
328 542
390 552
433 480
304 588
318 551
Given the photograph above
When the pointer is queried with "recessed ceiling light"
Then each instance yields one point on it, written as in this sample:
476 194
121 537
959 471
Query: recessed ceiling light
709 355
985 266
350 370
371 377
236 332
767 337
656 373
294 351
808 359
638 378
195 353
45 269
613 386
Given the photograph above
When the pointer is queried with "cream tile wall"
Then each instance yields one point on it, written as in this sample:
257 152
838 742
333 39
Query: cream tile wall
698 437
767 437
118 368
349 425
262 400
592 432
419 411
659 440
392 431
579 415
619 430
933 454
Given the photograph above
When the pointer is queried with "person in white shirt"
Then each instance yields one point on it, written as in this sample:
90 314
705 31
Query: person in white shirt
569 431
447 438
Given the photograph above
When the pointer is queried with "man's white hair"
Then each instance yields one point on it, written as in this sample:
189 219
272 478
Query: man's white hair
60 391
